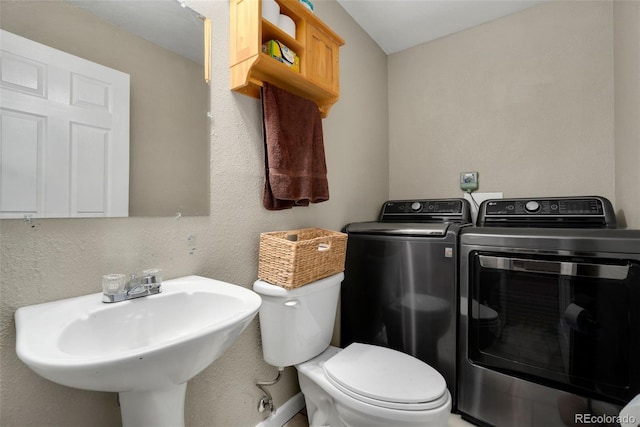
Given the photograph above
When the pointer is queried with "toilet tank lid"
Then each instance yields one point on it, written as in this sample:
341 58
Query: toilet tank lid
385 375
264 288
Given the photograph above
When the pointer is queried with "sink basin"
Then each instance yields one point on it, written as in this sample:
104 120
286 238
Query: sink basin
146 349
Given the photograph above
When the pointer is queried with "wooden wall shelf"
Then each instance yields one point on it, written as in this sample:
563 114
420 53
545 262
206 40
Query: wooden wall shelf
315 43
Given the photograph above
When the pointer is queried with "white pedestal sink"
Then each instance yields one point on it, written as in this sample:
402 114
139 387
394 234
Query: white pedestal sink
145 349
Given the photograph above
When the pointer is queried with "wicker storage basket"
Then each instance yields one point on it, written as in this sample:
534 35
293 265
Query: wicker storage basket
294 258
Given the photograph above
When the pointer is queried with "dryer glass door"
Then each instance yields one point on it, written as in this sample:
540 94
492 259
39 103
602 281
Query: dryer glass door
570 322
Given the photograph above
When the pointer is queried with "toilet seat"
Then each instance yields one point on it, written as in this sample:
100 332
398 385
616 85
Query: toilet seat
386 378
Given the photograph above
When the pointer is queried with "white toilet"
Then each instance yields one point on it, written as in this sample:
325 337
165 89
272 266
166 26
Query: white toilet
361 386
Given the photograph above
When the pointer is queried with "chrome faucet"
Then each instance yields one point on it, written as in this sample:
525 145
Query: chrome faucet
116 287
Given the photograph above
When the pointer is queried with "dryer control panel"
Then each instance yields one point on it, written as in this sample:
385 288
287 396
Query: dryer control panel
565 212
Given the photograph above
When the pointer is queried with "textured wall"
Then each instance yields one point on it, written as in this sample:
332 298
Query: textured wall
53 259
627 108
526 100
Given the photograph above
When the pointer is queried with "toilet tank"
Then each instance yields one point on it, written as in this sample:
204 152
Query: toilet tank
297 324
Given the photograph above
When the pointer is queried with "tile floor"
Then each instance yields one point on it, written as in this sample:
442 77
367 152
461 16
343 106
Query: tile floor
300 420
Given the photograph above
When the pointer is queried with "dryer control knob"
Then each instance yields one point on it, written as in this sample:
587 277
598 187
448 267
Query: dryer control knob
416 206
532 206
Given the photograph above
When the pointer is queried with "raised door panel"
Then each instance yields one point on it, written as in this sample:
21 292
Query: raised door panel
21 181
322 58
89 167
245 30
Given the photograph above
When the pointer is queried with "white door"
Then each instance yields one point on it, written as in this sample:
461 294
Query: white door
64 143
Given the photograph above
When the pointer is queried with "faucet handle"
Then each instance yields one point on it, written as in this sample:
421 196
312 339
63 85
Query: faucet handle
152 277
113 284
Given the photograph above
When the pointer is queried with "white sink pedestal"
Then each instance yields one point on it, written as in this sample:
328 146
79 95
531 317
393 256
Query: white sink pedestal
154 408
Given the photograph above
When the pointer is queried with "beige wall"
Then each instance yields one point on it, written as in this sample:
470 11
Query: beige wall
52 259
627 110
169 168
526 100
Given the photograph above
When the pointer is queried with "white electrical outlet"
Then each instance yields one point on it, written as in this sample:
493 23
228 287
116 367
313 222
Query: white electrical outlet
469 181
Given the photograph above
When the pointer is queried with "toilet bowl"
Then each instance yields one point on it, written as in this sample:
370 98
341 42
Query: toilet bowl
362 385
358 390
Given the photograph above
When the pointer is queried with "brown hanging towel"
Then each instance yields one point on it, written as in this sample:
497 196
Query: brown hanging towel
295 166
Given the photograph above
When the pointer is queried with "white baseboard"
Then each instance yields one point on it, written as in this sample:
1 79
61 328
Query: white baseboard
285 412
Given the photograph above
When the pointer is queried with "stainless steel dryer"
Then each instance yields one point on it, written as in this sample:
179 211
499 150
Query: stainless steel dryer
549 313
400 286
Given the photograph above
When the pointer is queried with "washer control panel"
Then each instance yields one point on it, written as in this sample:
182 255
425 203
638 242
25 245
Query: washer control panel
423 206
426 210
566 212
